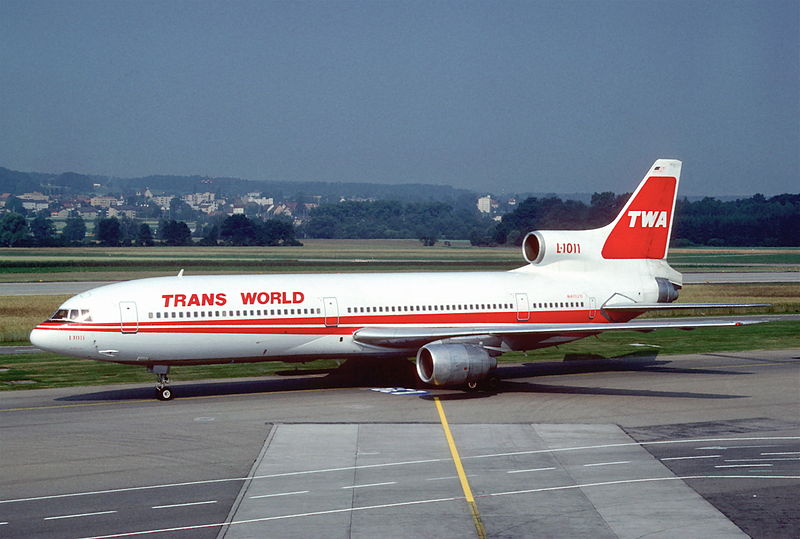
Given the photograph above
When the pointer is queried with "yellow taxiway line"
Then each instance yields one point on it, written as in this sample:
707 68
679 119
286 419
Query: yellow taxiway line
473 507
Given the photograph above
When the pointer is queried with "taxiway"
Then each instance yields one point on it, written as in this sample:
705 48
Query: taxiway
693 445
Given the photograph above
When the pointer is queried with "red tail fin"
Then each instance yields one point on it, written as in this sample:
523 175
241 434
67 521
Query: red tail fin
643 227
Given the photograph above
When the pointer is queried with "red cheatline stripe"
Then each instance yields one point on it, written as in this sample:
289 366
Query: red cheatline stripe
315 326
361 319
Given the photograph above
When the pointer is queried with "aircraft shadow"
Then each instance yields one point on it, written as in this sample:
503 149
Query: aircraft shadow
586 363
366 373
526 387
349 374
640 361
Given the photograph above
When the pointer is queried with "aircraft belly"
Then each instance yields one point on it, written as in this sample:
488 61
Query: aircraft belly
166 349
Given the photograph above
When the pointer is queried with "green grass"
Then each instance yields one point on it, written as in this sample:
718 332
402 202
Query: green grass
44 370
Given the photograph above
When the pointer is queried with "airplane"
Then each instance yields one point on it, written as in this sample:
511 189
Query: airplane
576 283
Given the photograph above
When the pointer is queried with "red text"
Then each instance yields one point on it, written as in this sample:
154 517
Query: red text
194 300
568 248
278 298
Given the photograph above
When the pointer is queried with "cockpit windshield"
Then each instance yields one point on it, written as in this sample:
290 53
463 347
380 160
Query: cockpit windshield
71 315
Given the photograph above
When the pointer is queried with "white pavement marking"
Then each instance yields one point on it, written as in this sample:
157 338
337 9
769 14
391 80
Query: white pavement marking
693 457
80 515
372 485
629 444
740 465
608 463
761 460
280 517
784 453
280 494
438 500
530 470
183 504
717 447
402 463
648 480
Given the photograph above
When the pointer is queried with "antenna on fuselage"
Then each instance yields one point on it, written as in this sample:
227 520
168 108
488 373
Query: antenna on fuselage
180 273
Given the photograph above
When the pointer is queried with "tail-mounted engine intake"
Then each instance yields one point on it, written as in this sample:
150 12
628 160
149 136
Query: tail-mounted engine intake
453 364
545 246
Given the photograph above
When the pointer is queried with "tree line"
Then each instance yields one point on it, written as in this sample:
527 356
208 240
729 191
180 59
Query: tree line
39 231
389 219
756 221
753 221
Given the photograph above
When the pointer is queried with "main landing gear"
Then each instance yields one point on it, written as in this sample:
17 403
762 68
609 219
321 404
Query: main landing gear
163 392
490 384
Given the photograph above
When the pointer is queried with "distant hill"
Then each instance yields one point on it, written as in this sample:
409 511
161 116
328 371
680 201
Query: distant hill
16 182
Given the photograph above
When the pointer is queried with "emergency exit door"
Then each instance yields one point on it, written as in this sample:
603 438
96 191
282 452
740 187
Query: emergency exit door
331 308
523 309
128 317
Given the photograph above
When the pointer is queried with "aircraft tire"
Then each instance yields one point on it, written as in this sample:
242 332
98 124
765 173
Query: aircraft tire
164 394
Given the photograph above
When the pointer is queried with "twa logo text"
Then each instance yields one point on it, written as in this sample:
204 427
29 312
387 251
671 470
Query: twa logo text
648 219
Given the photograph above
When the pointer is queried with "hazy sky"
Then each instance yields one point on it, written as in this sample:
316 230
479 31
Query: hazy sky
564 96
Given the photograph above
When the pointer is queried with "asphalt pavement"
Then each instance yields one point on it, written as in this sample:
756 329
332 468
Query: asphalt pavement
696 445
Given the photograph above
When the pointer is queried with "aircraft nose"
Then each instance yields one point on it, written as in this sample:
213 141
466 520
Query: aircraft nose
42 339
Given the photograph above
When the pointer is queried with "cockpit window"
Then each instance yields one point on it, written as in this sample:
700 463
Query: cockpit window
71 315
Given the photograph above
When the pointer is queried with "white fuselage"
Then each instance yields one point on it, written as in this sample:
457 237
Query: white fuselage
219 319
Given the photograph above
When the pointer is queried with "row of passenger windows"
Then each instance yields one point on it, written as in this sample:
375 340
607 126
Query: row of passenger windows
461 307
222 314
427 308
350 310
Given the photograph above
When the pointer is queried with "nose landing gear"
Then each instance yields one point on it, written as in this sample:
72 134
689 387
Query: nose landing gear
163 391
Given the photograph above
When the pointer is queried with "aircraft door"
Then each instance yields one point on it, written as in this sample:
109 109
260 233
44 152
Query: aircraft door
523 309
592 308
128 317
331 312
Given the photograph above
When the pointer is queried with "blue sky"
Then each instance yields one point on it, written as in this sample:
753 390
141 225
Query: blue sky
566 96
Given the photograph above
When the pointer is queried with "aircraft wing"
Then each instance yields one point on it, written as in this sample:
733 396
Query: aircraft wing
414 337
674 306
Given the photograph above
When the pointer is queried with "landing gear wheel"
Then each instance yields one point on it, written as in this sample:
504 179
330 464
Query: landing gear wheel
163 392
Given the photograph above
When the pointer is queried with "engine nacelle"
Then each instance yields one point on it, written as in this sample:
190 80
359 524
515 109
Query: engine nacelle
545 246
453 364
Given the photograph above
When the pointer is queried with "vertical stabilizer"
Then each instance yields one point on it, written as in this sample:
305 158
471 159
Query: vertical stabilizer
643 227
